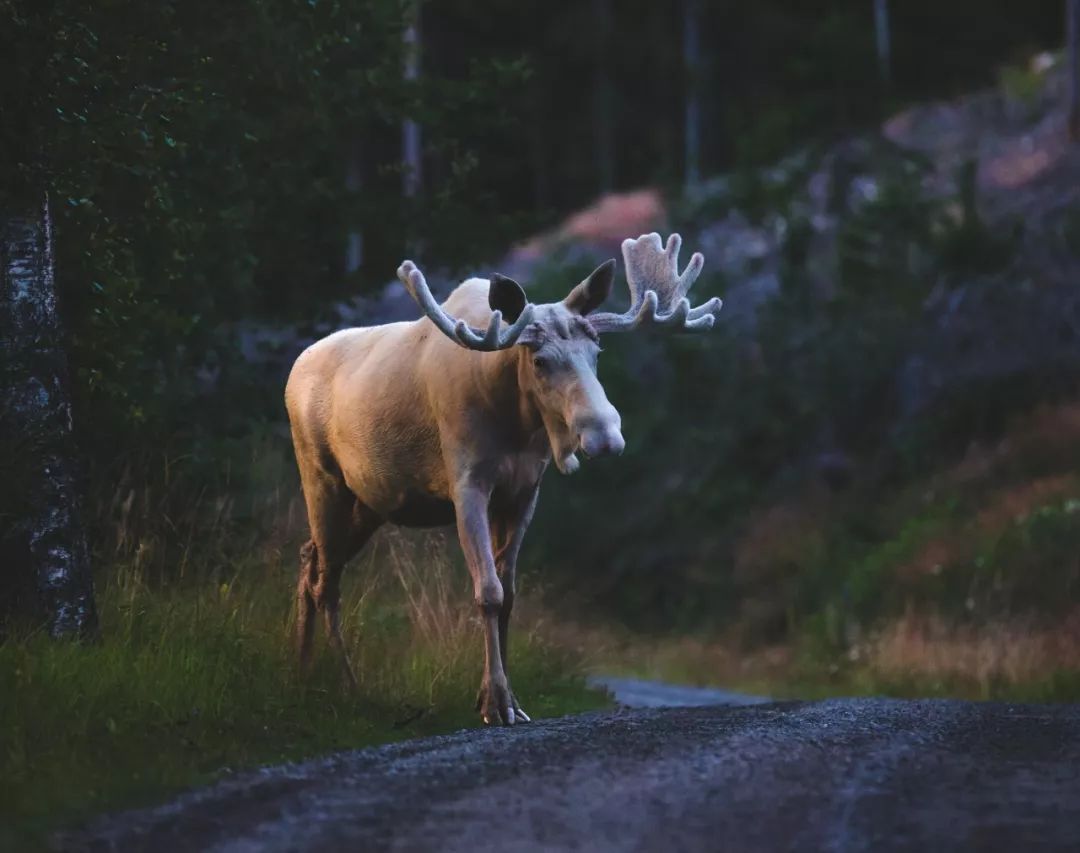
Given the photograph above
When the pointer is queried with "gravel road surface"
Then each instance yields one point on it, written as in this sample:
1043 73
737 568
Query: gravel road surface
851 774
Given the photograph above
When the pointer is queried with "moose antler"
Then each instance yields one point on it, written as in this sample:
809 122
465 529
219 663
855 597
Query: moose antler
658 290
493 338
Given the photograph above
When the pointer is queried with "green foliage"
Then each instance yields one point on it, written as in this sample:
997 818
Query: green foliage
1032 565
1026 567
822 677
1061 686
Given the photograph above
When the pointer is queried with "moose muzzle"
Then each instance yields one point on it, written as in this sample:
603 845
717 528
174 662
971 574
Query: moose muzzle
599 435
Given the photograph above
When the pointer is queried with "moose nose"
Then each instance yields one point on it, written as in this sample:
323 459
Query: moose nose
602 441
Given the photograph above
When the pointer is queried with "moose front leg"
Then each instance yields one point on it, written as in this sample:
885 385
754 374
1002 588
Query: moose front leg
471 506
508 526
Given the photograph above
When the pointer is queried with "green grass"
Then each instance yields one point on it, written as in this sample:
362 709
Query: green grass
193 680
1060 686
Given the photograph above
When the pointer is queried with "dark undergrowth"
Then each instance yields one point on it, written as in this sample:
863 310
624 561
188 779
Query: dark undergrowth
962 583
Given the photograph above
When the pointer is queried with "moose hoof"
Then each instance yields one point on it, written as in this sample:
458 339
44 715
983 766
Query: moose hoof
499 707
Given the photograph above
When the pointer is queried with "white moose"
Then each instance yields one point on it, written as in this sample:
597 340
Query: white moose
454 417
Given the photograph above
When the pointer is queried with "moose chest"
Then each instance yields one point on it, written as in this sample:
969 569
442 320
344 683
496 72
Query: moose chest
514 479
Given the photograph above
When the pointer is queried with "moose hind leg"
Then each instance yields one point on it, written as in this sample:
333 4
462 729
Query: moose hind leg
362 526
305 603
333 517
329 599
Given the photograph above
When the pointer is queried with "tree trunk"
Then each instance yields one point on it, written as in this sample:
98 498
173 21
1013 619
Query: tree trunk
1072 39
692 70
603 97
354 240
410 128
884 48
43 551
538 148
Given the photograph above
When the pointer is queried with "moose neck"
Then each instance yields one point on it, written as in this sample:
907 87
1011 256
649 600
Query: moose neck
507 395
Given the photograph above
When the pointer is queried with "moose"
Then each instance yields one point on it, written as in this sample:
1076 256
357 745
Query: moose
454 417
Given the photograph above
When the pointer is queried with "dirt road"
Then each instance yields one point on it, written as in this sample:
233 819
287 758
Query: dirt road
854 774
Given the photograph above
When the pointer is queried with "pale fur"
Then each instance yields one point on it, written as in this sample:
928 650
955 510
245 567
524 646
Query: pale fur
410 423
400 423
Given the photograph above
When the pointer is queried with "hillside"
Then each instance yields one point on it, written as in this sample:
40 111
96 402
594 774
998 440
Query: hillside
879 441
871 474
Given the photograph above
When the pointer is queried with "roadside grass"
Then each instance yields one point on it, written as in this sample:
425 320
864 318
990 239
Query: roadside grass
195 679
913 657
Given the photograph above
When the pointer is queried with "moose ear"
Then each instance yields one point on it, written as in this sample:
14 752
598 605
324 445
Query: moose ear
506 295
591 293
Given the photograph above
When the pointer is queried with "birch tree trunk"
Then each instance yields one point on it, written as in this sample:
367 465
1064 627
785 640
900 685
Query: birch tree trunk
44 561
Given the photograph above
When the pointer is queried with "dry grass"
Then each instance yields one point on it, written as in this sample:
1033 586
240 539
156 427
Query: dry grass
435 592
930 649
697 661
916 655
415 576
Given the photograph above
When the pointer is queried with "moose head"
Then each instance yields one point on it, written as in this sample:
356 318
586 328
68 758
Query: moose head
559 342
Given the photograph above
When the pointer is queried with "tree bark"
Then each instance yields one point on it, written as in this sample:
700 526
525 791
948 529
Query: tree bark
45 559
